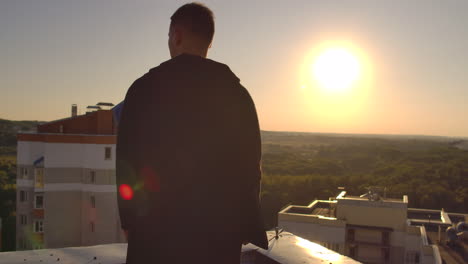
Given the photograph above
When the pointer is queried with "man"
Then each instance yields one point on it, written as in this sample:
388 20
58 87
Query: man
188 155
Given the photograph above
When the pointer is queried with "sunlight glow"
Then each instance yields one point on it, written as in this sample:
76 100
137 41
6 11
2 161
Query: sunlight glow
317 250
336 69
336 83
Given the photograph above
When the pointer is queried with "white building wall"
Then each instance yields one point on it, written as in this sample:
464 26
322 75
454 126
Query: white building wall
95 156
315 232
29 151
73 155
368 235
398 239
413 242
64 155
69 222
369 254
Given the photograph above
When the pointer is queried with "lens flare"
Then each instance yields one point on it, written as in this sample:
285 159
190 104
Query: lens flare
126 192
151 179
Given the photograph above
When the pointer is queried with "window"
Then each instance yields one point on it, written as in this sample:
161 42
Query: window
336 247
24 172
39 201
353 252
39 178
93 202
412 257
385 238
38 226
409 257
108 153
92 177
22 243
23 219
37 246
350 235
386 254
23 196
91 225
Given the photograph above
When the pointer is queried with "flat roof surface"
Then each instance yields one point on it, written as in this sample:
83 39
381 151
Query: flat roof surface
448 254
318 207
323 211
455 217
292 249
434 216
288 248
352 197
421 215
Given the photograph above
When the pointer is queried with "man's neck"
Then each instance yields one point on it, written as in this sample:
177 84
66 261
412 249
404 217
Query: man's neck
195 52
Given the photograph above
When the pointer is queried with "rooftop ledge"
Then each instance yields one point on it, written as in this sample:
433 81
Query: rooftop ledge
62 134
318 208
288 248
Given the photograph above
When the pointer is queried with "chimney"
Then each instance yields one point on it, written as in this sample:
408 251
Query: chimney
74 110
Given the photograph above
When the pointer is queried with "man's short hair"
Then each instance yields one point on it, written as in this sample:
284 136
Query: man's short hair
197 19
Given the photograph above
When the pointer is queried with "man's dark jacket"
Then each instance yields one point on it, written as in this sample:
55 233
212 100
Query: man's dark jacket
189 147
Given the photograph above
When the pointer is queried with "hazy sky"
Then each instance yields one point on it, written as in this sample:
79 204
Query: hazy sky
55 53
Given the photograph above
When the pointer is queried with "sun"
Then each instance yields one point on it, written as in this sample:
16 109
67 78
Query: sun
336 81
336 69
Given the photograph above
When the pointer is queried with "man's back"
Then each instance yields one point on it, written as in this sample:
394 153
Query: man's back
189 146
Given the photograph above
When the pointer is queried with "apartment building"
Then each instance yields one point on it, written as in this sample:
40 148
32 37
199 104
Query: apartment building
66 190
369 228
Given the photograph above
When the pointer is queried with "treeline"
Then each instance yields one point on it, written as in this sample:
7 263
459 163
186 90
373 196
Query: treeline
301 167
432 172
8 201
8 132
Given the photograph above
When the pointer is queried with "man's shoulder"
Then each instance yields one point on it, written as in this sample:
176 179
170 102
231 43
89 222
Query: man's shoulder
186 60
176 66
223 70
220 65
148 76
154 72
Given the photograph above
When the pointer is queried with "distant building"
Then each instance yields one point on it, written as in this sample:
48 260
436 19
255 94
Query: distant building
368 228
66 190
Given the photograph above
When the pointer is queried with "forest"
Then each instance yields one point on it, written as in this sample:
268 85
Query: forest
301 167
8 131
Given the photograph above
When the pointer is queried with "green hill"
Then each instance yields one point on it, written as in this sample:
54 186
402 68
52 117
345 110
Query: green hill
300 167
8 131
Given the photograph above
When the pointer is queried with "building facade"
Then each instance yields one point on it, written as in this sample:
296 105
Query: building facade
370 229
66 189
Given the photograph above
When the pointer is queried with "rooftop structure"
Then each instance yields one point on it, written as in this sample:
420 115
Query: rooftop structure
370 228
445 230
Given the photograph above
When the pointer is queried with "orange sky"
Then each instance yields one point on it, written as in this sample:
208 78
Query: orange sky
54 54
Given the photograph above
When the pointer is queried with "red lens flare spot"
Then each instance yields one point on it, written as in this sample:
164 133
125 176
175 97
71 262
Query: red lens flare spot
151 180
126 192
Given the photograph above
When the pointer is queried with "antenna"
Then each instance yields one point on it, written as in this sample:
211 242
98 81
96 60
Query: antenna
373 193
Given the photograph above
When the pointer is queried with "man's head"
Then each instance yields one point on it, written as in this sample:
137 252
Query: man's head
191 30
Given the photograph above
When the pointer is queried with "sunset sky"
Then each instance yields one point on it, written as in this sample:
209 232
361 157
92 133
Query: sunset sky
412 55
